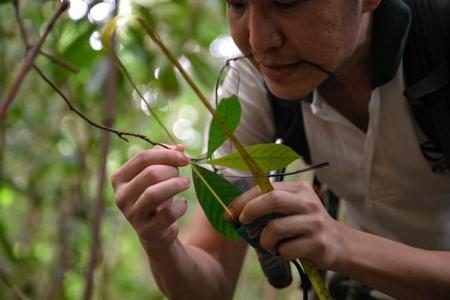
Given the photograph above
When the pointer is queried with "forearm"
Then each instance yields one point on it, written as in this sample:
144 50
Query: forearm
398 270
188 272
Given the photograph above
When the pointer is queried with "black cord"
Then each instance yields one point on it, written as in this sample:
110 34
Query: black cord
305 283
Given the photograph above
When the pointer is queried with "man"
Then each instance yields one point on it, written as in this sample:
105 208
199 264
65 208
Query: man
397 233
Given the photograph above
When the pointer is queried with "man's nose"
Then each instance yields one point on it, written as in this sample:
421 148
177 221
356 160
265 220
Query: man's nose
264 35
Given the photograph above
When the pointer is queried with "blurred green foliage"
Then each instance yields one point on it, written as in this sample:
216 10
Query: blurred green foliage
49 157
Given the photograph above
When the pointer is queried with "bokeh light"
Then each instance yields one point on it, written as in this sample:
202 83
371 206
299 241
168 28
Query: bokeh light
95 41
77 9
223 47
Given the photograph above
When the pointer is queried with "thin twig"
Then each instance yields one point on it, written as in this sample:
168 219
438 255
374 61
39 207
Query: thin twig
134 86
120 134
30 58
310 168
23 32
14 289
60 62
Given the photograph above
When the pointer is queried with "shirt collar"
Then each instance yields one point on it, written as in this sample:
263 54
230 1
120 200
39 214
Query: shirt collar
392 21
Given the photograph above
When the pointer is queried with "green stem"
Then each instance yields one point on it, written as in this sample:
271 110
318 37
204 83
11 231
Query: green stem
152 112
259 175
205 182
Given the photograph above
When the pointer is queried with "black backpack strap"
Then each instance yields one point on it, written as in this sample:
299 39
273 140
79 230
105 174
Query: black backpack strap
426 65
289 125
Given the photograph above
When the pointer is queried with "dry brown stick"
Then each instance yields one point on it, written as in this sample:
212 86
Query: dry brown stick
29 61
96 245
64 257
121 134
62 260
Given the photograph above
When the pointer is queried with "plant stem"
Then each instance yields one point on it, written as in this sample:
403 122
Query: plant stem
205 182
259 175
152 112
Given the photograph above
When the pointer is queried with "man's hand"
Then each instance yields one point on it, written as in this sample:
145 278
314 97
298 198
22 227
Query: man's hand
304 230
145 187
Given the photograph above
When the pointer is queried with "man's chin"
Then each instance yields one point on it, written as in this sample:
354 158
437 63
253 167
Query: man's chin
289 93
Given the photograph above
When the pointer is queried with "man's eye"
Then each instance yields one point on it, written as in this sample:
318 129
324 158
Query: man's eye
286 4
236 5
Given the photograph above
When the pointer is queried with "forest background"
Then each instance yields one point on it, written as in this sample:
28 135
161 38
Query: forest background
61 236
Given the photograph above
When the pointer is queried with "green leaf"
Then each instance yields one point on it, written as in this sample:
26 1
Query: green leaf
4 1
209 186
6 196
269 157
230 111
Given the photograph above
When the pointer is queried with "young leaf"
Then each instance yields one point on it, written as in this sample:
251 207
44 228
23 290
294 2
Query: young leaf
230 110
213 193
268 157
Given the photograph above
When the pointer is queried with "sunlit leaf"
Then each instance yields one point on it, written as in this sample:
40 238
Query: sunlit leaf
209 186
230 111
6 196
268 157
109 29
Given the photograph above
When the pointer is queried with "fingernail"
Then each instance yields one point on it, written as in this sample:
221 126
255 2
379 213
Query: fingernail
186 181
183 159
242 218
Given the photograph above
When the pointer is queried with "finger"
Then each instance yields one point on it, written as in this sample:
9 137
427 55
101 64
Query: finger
179 147
147 158
283 228
129 192
308 249
239 203
159 240
164 219
153 196
277 201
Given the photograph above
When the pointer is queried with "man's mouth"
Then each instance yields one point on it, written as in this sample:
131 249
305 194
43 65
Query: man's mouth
278 72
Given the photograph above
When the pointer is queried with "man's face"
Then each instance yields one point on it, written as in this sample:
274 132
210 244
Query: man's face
282 34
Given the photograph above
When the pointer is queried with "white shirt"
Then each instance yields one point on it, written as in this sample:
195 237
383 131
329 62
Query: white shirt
387 185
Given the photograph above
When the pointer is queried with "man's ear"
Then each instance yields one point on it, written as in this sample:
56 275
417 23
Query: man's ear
369 5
